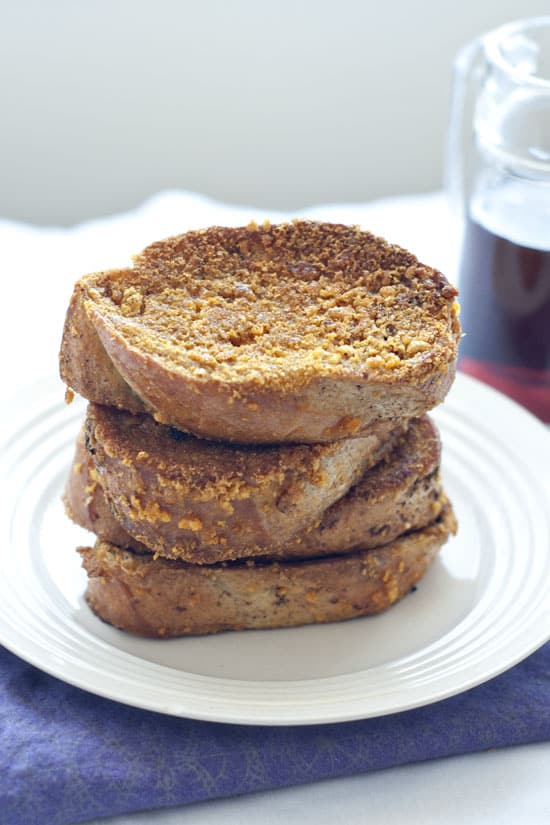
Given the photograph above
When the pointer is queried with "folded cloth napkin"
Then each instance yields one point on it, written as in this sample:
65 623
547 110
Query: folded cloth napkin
67 756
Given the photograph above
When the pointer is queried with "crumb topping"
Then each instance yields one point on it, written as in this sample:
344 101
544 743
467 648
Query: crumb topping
204 471
277 304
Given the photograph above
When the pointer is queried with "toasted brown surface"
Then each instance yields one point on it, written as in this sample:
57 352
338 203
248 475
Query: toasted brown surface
205 501
288 333
401 493
163 598
85 501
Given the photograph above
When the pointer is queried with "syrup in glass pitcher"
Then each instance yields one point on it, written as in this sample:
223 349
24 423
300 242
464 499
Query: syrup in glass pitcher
499 174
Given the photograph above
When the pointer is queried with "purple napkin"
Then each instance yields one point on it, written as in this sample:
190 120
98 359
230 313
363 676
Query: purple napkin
68 756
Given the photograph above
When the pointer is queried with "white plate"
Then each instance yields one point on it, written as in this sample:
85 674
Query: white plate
483 606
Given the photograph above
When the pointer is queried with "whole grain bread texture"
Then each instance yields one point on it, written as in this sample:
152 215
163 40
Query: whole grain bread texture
205 501
165 598
402 492
301 332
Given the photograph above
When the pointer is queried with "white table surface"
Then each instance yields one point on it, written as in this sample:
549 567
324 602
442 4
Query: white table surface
39 266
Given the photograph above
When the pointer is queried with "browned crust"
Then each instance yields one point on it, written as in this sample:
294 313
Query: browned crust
163 598
401 493
205 501
299 332
85 502
83 357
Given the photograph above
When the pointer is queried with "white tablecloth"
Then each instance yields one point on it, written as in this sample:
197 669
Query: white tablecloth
38 269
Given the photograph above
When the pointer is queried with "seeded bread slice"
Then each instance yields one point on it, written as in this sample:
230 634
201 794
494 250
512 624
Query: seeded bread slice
299 332
402 492
205 501
164 598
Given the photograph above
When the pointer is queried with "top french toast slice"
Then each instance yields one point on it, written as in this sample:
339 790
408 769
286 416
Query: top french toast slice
297 332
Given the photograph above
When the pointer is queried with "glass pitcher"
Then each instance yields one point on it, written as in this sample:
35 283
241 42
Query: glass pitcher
499 176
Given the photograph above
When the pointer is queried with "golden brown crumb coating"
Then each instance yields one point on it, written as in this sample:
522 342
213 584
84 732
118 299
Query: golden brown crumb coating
292 332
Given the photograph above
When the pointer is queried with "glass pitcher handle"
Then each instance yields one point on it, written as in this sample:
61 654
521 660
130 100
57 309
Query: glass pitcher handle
468 71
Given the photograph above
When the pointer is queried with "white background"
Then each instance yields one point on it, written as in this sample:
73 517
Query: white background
275 104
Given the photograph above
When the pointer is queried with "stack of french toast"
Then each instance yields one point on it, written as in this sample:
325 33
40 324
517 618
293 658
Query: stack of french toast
256 451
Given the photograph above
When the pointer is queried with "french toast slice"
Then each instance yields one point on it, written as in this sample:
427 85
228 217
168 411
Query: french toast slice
302 332
165 598
402 492
185 497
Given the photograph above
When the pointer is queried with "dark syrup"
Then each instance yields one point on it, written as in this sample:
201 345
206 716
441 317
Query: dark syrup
505 301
